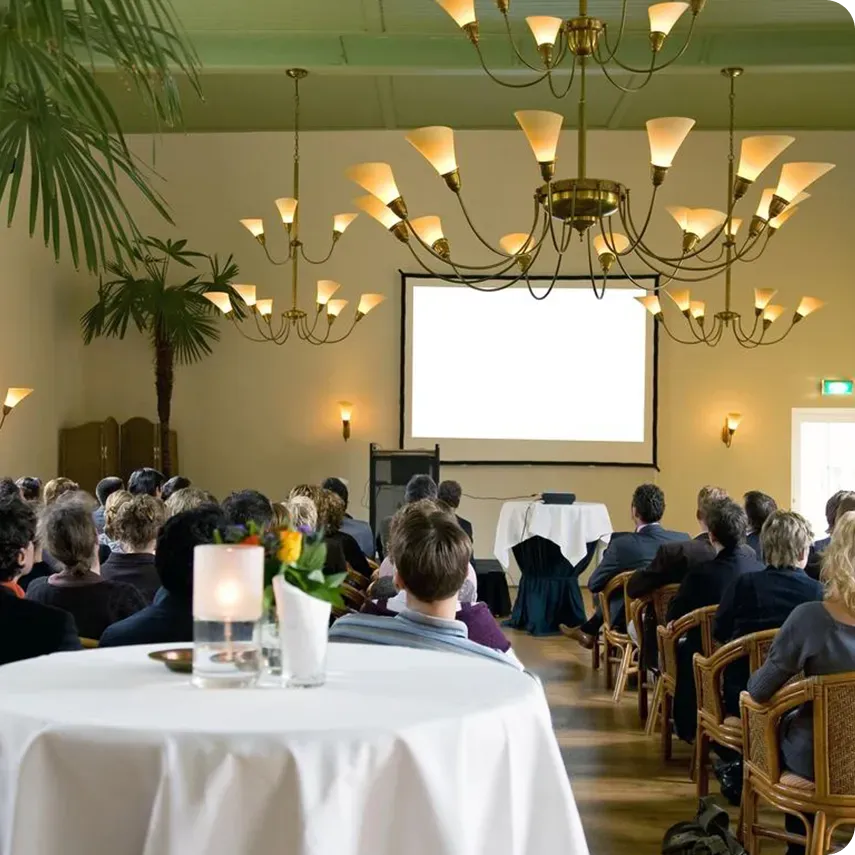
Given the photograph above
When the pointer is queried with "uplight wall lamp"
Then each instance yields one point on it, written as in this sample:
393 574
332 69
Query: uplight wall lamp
731 423
14 396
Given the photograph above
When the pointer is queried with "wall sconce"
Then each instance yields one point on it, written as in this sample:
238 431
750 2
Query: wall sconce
346 410
14 396
731 423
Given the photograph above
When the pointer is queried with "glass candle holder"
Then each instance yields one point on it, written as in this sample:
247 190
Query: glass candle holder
228 589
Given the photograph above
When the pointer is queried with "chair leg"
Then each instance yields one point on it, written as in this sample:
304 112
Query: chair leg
609 665
595 654
702 757
748 812
643 710
818 835
623 673
667 702
655 708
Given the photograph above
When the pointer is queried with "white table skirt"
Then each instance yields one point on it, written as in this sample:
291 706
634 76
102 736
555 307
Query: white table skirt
403 752
571 527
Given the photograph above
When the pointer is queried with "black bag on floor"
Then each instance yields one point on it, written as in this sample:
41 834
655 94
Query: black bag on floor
708 834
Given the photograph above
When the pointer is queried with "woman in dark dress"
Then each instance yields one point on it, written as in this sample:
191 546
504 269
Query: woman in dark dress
330 516
68 532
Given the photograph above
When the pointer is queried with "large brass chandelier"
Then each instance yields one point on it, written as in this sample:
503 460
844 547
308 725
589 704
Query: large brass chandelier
305 324
574 41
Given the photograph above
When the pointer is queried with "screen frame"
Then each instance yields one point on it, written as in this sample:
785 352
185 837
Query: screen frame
654 416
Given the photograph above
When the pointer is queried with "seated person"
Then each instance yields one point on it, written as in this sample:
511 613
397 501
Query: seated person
69 533
419 487
136 526
108 540
840 503
173 485
27 629
300 512
759 507
40 566
431 553
764 600
627 552
706 586
246 506
105 488
817 638
146 480
31 490
330 518
170 617
448 495
359 530
188 499
57 487
8 487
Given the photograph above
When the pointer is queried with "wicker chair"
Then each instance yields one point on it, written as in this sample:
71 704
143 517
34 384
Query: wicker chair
714 725
668 637
831 796
618 647
357 580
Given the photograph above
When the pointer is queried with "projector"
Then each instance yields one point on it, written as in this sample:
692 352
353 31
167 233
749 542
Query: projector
558 498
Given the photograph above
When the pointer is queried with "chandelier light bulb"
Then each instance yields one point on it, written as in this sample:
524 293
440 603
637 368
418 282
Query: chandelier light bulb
335 307
342 221
429 229
619 244
762 297
436 145
663 16
796 177
666 136
326 288
287 209
367 302
265 307
682 298
777 222
542 130
697 309
463 11
246 293
375 208
14 396
220 299
765 202
680 215
702 221
513 243
809 305
544 29
254 226
772 313
732 227
651 303
377 179
758 152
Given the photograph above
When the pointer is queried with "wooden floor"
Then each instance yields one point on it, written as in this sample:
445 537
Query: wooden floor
626 795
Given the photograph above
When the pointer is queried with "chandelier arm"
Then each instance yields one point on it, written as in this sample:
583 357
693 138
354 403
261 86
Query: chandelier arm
519 55
715 260
565 239
762 343
272 260
629 224
318 314
602 292
327 340
550 217
504 83
483 240
676 338
747 341
647 72
569 83
319 261
248 337
551 284
621 29
741 256
656 288
462 279
655 68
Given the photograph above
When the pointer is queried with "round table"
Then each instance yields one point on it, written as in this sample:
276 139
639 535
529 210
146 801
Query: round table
402 752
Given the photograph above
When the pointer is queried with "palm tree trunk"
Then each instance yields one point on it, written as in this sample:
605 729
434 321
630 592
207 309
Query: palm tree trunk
164 377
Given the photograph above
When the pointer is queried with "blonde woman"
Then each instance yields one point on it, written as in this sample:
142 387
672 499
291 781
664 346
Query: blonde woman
817 638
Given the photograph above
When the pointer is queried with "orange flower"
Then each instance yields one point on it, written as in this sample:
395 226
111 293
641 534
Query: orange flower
291 546
251 540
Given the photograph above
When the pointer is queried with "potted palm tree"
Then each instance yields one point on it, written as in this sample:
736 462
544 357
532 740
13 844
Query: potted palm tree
56 119
177 318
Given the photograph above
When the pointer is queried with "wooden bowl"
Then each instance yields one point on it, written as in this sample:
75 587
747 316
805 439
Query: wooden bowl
179 660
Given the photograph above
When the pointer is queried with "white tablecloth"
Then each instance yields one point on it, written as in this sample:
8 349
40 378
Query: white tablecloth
571 527
403 752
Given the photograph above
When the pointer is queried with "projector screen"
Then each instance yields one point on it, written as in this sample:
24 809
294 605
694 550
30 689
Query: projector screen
503 378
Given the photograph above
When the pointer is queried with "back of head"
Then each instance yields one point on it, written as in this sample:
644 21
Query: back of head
8 487
310 491
111 510
106 487
300 512
838 562
845 503
449 493
31 489
431 555
785 538
145 480
17 531
727 523
707 497
758 507
246 506
424 507
175 483
420 487
138 521
175 544
68 532
337 486
330 511
187 499
649 503
58 487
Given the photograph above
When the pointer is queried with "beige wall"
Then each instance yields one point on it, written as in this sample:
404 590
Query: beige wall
263 416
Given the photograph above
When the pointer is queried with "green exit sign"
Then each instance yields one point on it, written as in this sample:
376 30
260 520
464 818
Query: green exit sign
837 387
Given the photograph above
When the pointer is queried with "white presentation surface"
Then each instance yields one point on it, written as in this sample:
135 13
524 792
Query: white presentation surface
502 376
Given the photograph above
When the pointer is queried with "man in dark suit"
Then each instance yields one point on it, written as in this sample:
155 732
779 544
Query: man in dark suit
170 617
27 629
630 551
758 507
449 494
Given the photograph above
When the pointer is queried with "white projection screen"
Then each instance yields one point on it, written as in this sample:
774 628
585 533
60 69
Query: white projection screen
502 378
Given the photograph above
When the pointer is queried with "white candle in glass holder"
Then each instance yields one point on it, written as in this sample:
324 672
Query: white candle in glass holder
228 583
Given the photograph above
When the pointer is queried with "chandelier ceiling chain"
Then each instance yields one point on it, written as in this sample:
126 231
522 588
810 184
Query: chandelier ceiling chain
303 324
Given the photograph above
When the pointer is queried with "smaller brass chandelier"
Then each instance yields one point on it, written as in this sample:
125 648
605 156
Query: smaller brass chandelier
579 39
753 332
306 325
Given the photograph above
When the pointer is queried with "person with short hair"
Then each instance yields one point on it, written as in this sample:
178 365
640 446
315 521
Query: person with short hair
448 494
169 619
419 488
27 629
104 489
330 517
431 556
759 507
629 551
173 485
136 526
56 488
300 513
187 499
146 480
359 530
67 530
8 487
246 506
31 489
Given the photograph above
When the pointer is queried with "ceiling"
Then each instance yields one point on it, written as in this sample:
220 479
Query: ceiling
404 63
